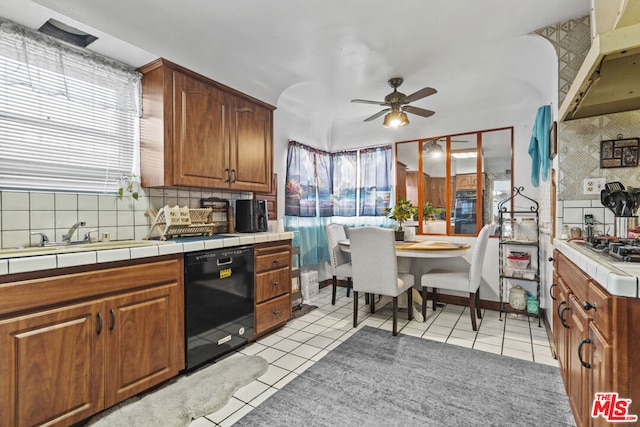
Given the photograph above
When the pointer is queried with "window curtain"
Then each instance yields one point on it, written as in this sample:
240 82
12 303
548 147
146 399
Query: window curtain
375 180
322 187
344 183
300 193
69 118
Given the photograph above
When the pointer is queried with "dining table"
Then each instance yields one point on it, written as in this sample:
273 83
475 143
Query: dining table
418 257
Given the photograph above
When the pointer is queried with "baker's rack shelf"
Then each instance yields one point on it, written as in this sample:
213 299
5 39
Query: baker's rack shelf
519 231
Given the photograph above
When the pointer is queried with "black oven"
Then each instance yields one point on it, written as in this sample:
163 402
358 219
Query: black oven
218 302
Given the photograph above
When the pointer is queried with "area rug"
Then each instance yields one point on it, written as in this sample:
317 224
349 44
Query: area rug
376 379
189 397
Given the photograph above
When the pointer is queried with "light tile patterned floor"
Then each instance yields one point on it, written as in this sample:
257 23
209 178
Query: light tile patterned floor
305 340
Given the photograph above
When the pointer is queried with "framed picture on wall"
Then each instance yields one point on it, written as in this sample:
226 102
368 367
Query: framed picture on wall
553 140
619 153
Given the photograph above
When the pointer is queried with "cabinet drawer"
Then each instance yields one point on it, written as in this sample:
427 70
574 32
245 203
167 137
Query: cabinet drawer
602 312
272 283
578 280
272 313
271 261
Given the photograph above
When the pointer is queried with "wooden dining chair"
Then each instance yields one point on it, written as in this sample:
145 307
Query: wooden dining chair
465 276
375 269
340 261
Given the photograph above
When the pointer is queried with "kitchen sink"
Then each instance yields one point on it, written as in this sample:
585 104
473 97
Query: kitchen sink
76 247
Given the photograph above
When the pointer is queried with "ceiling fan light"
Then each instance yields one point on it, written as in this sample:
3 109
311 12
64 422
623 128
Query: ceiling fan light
404 120
395 119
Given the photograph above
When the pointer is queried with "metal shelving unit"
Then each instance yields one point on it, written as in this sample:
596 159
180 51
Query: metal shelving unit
519 242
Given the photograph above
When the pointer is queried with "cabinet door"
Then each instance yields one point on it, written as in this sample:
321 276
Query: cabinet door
250 147
578 374
51 365
201 156
560 312
601 369
144 343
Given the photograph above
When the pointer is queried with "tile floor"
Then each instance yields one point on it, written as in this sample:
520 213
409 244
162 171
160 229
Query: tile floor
305 340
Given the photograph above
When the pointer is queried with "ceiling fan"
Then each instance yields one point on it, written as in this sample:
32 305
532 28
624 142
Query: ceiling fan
396 113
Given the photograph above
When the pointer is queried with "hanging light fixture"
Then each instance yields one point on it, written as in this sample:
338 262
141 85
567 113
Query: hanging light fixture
395 119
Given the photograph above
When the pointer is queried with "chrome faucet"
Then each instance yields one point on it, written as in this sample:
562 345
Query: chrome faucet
66 238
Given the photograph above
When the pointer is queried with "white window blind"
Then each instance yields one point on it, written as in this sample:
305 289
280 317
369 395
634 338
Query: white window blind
68 118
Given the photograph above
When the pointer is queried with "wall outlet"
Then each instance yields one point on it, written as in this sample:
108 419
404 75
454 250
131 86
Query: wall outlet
594 185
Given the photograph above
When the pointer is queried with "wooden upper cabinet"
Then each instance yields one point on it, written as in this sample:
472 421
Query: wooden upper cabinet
251 146
199 133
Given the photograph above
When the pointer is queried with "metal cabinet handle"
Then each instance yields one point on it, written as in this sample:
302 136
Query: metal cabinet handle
582 362
99 329
228 175
588 306
276 312
235 175
276 283
561 313
113 319
276 261
550 259
551 291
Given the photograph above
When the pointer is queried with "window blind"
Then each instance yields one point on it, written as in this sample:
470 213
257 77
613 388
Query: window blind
68 118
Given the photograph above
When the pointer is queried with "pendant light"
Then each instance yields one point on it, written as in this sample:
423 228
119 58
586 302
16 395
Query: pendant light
395 119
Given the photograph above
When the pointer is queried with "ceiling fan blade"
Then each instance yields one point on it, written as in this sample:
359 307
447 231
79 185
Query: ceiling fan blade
419 111
422 93
364 101
378 114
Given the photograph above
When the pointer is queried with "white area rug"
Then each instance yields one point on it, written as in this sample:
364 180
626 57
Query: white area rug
186 398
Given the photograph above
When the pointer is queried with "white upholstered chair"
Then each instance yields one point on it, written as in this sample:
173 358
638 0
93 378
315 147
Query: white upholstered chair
464 277
339 260
375 269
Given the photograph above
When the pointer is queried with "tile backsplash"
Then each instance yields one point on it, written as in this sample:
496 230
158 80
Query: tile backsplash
25 212
571 213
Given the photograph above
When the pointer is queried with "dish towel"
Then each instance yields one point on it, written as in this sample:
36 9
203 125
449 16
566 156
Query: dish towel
539 146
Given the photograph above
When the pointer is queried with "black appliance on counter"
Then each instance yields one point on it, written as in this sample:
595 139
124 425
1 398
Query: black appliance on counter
251 216
218 303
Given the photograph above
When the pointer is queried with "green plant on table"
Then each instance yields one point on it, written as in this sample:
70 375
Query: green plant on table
401 212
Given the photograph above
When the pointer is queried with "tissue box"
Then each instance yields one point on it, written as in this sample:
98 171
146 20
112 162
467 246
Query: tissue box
309 284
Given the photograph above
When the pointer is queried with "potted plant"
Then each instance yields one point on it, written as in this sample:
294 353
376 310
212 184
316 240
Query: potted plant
128 185
430 212
401 212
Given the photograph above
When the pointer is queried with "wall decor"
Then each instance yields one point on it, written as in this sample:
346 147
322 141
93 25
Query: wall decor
619 153
553 140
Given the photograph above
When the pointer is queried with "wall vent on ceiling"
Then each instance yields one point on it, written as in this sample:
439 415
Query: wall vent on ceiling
66 33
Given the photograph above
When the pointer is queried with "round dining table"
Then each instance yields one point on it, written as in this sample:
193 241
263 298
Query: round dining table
419 257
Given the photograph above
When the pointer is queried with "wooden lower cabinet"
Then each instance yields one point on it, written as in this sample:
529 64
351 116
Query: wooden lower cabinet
52 366
66 362
272 285
597 350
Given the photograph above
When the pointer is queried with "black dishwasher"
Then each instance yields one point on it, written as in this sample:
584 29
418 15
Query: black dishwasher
218 303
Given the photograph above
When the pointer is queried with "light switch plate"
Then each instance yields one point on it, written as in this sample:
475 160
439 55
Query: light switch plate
594 185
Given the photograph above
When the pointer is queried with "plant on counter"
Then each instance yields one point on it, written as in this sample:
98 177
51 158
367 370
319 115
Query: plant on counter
128 185
401 212
430 212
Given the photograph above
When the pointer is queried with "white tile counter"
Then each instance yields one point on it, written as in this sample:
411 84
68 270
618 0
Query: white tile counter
47 261
619 278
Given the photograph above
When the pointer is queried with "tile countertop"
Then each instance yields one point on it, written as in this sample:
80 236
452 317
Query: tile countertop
619 278
48 261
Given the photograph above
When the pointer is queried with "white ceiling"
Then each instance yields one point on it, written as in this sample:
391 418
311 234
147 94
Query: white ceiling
314 56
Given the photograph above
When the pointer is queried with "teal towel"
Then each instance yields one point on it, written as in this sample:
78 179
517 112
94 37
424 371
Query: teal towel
539 146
